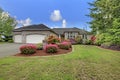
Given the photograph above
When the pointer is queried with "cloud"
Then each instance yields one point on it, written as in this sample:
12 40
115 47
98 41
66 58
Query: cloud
56 15
64 23
54 27
25 22
22 23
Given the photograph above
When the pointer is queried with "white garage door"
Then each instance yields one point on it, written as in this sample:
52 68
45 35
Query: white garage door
18 38
35 38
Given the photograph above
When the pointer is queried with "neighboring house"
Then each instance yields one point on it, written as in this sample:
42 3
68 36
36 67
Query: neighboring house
37 33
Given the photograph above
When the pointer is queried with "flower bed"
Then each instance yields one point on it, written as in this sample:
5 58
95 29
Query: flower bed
110 46
48 48
43 53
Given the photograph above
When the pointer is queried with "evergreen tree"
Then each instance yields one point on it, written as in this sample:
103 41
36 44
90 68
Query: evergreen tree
105 16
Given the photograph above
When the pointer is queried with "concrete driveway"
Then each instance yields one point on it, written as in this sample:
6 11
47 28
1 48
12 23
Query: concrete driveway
9 49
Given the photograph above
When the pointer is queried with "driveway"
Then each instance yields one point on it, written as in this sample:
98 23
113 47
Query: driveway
9 49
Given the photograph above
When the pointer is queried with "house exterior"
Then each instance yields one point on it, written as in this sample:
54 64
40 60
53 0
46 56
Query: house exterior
38 33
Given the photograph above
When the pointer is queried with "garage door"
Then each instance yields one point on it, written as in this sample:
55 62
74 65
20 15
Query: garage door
18 38
35 38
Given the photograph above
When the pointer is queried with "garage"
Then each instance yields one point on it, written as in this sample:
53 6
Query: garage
18 38
32 33
35 38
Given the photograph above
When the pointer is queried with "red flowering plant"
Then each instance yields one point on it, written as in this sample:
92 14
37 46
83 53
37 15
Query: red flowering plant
28 49
93 38
53 39
51 48
65 45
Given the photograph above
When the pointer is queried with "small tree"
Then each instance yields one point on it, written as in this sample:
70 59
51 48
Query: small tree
7 24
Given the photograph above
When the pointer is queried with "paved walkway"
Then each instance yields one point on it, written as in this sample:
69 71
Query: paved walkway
9 49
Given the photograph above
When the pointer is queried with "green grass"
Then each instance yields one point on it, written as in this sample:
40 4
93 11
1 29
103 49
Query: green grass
2 42
84 63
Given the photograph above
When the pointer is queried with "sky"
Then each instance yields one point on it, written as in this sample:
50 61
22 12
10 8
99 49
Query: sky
53 13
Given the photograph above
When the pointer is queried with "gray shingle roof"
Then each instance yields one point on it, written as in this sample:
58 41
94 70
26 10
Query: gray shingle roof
62 30
42 27
33 27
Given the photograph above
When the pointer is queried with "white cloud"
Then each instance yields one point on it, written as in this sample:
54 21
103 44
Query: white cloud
64 23
54 26
25 22
56 15
22 23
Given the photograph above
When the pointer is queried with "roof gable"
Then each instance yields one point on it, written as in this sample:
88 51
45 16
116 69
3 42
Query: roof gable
62 30
33 27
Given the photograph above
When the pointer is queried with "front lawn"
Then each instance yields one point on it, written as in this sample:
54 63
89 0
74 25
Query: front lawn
84 63
3 42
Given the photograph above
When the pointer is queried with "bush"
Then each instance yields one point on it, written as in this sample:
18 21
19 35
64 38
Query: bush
51 48
100 39
78 40
28 49
73 41
113 36
106 45
65 45
53 39
39 46
92 40
10 41
86 42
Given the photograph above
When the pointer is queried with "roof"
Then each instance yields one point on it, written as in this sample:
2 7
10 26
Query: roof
42 27
32 27
62 30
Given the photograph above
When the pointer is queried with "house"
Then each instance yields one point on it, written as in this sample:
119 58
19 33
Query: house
37 33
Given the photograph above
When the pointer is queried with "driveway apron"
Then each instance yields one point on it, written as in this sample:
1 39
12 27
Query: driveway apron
9 49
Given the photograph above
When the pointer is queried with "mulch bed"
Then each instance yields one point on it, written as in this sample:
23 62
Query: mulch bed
43 53
117 48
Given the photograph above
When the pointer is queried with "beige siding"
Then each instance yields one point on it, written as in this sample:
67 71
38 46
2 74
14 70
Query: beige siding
89 37
25 33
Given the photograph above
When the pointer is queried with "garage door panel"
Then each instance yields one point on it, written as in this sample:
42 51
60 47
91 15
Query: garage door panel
35 38
18 38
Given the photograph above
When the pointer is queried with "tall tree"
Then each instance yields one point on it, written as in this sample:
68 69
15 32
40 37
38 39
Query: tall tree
105 16
103 13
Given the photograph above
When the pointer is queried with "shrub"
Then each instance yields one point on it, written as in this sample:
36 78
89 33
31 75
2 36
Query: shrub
65 45
10 41
51 48
53 39
28 49
78 40
106 44
39 46
72 41
92 40
86 41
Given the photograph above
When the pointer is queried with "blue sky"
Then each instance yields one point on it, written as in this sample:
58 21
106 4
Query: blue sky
54 13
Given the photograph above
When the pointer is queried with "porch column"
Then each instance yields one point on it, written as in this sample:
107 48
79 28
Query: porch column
59 36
